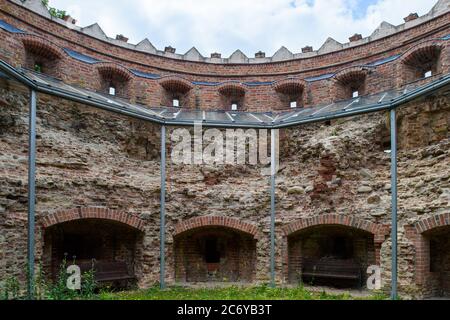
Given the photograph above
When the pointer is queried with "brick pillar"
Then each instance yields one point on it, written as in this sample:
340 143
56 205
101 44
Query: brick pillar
422 256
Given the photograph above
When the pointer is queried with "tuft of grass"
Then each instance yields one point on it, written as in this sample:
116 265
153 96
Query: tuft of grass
263 292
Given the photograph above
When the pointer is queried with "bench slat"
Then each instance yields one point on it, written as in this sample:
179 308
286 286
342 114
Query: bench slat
108 271
337 269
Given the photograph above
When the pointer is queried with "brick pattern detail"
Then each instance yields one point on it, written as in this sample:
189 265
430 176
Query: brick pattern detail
215 221
232 89
432 223
175 84
379 230
351 75
41 46
114 70
92 213
422 52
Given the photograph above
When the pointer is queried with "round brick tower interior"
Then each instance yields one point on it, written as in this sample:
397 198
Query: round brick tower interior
98 183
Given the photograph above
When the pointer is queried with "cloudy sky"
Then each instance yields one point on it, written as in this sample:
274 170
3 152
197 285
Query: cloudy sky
250 25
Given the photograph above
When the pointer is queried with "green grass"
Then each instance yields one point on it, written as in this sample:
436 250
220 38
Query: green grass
230 293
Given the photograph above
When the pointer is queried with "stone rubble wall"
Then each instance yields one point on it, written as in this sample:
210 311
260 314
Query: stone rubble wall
88 158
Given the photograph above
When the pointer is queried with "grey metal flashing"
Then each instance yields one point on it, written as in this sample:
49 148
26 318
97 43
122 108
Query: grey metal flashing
6 26
81 57
145 75
364 104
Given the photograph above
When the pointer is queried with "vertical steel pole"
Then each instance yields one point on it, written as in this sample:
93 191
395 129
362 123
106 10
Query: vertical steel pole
394 202
272 208
31 191
162 226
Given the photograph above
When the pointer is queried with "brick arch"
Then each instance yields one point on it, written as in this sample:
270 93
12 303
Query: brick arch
216 221
289 85
380 231
417 234
427 49
176 84
91 213
110 69
433 222
42 46
352 74
231 89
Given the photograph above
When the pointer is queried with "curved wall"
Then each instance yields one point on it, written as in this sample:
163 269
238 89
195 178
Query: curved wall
80 58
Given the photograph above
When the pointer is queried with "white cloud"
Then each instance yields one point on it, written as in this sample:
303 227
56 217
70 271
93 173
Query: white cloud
226 25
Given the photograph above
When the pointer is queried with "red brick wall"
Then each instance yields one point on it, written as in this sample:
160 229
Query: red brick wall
257 98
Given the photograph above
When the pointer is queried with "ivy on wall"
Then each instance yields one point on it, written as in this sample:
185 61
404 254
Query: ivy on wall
61 14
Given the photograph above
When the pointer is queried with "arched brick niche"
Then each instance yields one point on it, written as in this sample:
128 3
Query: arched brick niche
431 240
42 56
215 249
232 93
349 81
175 88
343 241
421 61
115 80
291 91
110 238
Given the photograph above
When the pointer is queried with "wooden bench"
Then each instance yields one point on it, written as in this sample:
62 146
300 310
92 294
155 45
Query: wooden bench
332 269
108 271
